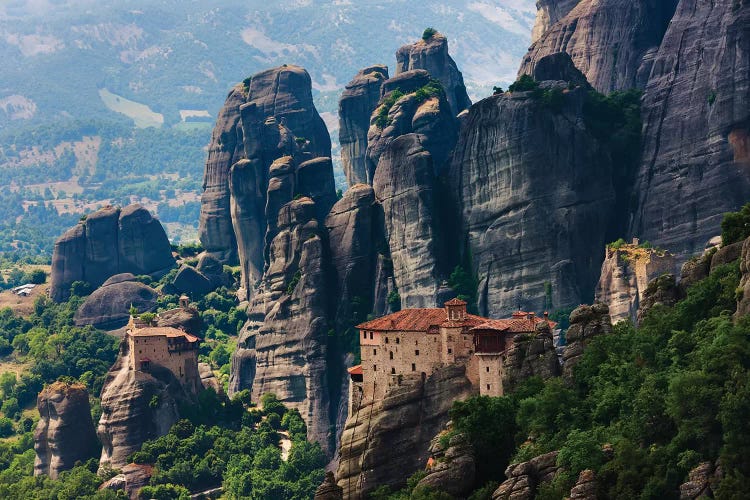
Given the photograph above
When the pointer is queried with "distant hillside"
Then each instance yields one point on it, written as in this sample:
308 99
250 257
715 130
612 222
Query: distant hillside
80 75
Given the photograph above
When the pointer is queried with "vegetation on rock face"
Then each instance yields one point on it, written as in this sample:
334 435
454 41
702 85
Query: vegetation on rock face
382 120
428 33
736 226
525 83
666 396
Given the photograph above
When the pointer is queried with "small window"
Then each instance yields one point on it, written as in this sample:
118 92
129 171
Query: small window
488 387
391 354
364 335
393 371
450 351
413 367
488 369
374 352
398 340
371 337
139 351
386 340
374 368
416 342
416 352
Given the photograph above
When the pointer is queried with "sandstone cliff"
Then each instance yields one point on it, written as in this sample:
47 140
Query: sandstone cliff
65 432
536 195
452 468
626 272
696 108
108 242
523 479
384 443
283 347
241 131
358 101
108 308
432 56
611 41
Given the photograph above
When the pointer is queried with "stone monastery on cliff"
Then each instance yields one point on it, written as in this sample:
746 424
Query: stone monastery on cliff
419 341
166 347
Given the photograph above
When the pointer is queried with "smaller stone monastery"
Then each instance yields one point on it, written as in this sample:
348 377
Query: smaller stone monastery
419 341
166 347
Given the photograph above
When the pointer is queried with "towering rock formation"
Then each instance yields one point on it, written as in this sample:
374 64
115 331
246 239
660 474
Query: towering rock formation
611 41
241 131
136 406
109 242
523 479
350 227
109 306
696 144
530 356
404 187
432 56
358 101
65 432
627 271
536 195
282 348
385 442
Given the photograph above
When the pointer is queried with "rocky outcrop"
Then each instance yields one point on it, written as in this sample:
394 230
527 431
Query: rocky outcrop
694 270
65 432
385 442
549 12
131 479
404 186
696 127
136 407
282 348
350 233
530 356
585 487
586 322
329 490
611 41
626 272
191 281
536 196
108 308
726 254
523 479
108 242
451 469
432 56
187 319
358 101
702 482
743 299
248 126
660 291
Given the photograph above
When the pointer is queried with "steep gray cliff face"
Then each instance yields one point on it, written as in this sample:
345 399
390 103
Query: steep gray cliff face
696 147
404 187
109 242
454 467
536 195
109 306
282 348
384 443
350 233
259 120
548 12
611 41
358 101
65 432
432 56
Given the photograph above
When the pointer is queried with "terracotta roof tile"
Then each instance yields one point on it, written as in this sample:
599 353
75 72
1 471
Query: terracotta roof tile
355 370
455 302
516 324
159 331
417 320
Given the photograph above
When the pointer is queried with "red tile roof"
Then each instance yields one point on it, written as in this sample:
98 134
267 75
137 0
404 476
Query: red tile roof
167 331
416 320
420 320
355 370
455 302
